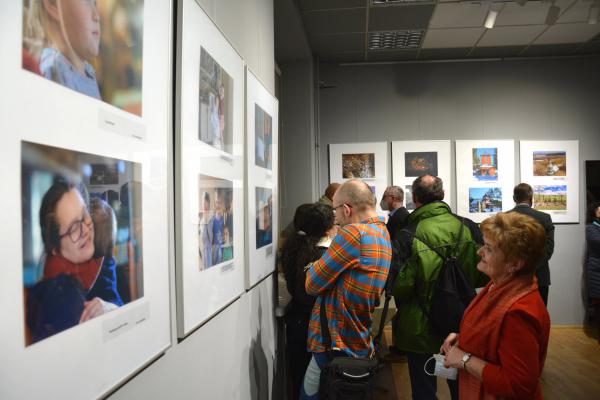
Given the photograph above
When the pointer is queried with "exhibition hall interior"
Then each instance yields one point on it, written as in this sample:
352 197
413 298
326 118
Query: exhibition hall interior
196 187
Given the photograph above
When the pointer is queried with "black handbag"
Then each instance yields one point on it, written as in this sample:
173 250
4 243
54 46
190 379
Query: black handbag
351 378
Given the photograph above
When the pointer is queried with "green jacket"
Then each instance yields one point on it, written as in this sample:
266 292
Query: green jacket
421 266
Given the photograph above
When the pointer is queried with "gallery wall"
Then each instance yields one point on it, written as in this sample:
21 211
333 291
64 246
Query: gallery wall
231 355
544 99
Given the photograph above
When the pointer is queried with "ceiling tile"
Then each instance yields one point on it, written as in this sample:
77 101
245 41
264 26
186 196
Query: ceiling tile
551 50
458 15
443 54
392 55
343 57
400 17
510 35
577 13
568 33
335 21
493 52
532 13
338 43
444 38
308 5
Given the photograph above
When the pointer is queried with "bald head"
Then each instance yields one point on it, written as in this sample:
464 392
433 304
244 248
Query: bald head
427 189
357 194
331 189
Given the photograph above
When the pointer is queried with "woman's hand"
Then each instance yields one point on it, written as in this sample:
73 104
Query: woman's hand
450 341
95 308
454 357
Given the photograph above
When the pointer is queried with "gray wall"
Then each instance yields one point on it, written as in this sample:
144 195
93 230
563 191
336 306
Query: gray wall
549 99
232 356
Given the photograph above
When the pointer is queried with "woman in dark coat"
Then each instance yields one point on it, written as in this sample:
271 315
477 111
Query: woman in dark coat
314 225
592 239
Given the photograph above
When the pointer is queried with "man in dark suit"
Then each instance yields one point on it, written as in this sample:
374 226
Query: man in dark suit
393 201
523 197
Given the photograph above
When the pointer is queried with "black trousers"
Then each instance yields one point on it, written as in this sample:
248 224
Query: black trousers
296 332
424 387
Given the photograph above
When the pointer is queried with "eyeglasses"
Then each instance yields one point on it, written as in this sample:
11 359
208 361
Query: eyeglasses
75 231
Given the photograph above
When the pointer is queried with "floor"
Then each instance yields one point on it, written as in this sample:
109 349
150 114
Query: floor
572 369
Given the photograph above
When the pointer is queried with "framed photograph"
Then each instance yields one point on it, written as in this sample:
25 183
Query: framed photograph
94 48
365 161
85 295
209 166
413 158
551 167
262 116
485 177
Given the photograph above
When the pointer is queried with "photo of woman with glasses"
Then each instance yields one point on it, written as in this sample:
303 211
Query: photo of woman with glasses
71 271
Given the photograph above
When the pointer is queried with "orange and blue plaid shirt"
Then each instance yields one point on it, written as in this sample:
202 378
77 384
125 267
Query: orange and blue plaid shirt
349 279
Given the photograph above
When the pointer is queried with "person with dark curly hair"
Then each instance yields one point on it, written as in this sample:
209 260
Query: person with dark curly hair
592 262
314 225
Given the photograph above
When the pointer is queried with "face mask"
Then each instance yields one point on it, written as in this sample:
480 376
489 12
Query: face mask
384 205
440 370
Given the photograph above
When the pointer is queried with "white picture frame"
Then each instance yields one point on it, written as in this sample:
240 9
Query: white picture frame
488 181
206 63
411 158
88 360
551 167
262 121
369 160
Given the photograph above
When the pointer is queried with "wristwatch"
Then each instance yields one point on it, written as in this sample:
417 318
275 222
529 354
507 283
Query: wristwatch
465 359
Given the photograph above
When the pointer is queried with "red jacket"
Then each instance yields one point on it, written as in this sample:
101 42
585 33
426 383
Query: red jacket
508 327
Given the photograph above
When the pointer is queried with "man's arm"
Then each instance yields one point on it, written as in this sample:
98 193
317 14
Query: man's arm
343 253
549 238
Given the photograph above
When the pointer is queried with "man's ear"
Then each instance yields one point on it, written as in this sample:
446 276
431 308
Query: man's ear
51 7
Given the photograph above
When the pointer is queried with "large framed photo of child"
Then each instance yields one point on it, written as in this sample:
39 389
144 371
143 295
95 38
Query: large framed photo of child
262 119
209 169
82 240
94 47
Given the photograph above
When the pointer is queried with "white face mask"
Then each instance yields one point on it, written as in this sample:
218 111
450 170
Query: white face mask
440 370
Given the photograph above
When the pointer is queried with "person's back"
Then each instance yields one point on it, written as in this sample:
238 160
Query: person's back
348 280
415 285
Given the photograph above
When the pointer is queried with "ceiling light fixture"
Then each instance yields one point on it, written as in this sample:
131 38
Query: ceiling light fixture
490 19
594 13
553 14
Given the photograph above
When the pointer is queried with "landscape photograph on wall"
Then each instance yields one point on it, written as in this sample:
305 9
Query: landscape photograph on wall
420 163
550 163
485 200
485 164
547 197
358 166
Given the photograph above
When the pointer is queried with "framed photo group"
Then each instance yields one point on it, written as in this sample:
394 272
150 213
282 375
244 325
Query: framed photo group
485 172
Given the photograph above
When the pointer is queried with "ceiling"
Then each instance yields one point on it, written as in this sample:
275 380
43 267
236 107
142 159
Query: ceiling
340 30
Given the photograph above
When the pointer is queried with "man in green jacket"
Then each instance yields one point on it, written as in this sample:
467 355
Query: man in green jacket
433 221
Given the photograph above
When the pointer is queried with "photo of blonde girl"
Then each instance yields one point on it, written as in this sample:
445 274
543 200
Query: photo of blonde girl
91 46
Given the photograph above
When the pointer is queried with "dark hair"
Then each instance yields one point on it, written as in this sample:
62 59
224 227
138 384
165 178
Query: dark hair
105 227
427 189
591 212
522 192
314 220
48 224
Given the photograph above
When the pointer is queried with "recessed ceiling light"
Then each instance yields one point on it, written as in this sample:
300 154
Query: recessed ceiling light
395 40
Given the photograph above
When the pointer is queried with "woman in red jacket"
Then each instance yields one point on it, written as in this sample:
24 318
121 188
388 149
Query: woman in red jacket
503 339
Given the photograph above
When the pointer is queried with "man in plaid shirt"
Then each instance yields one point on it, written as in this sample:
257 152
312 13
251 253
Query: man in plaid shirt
348 280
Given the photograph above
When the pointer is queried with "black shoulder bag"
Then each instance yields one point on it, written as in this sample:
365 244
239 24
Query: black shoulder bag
351 378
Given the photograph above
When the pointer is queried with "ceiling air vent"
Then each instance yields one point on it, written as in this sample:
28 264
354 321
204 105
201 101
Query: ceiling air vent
394 40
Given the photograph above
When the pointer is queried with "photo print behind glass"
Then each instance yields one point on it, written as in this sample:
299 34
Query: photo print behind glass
263 134
358 166
216 104
82 237
215 221
264 217
101 47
